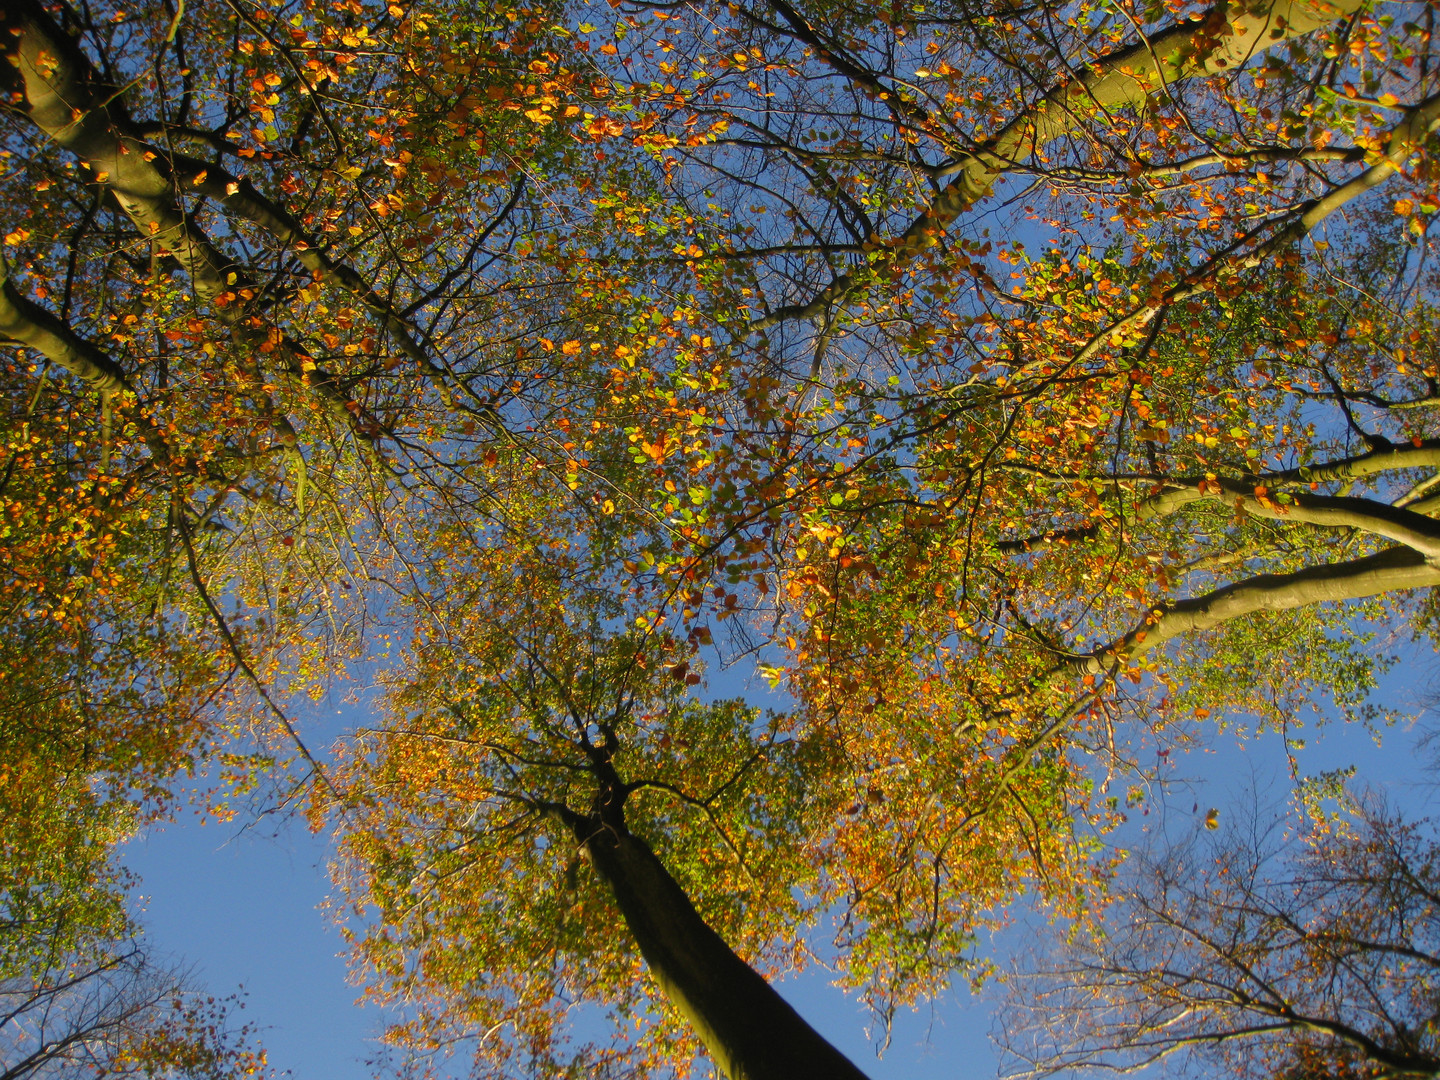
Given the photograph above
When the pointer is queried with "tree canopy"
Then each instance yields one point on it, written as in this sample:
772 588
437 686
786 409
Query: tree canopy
1008 383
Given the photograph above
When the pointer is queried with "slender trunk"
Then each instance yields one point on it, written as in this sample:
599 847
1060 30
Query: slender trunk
749 1030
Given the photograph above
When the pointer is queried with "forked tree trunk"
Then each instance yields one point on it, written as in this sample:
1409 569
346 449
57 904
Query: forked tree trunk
750 1031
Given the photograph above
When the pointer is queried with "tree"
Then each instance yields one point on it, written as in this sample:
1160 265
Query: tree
681 314
526 741
1267 950
111 1010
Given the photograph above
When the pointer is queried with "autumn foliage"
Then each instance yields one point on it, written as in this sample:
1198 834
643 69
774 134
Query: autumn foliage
1005 385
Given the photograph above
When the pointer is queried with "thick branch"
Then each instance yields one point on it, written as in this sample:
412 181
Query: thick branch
24 321
1391 569
1124 79
1334 511
64 97
1405 140
242 199
1409 525
1385 459
28 323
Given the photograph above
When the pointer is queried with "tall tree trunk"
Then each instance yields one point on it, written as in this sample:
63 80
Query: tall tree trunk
750 1031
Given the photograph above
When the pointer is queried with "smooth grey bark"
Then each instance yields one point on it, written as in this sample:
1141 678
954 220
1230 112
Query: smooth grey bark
749 1030
1397 523
62 97
1409 524
1337 511
1383 459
